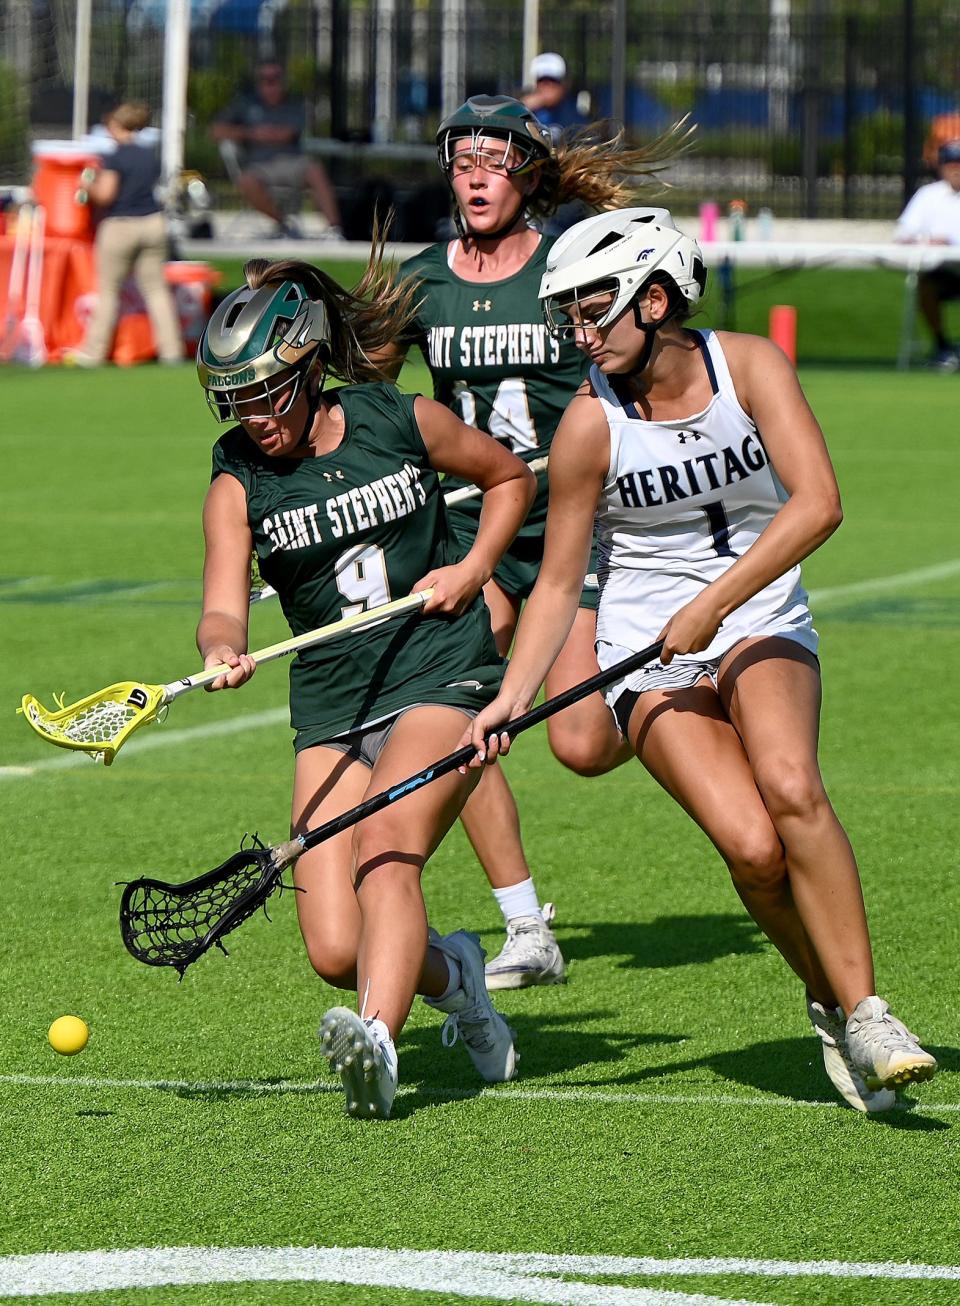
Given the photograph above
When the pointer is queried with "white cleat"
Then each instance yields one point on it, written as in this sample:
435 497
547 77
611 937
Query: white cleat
366 1066
531 954
883 1049
470 1013
829 1024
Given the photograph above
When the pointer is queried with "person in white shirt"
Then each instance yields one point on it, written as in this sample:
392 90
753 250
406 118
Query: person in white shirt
933 217
709 479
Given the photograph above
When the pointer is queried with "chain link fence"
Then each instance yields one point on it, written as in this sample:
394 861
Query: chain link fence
809 108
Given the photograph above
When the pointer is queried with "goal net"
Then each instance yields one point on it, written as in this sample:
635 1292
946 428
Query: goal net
37 55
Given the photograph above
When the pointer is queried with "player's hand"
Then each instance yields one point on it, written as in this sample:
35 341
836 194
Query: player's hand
485 734
454 588
242 667
691 629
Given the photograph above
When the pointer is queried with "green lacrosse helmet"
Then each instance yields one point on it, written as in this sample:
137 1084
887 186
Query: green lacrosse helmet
499 116
261 341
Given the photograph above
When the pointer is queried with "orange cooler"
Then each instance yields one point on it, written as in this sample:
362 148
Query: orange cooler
56 180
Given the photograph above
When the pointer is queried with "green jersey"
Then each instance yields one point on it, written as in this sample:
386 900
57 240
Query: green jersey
348 531
494 362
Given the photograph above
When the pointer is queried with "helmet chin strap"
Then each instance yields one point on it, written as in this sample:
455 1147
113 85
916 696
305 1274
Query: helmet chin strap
313 405
649 330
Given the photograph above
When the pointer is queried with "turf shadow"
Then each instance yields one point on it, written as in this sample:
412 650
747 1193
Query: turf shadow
664 942
548 1044
790 1067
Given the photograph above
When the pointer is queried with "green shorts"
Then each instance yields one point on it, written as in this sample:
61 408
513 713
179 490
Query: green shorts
517 571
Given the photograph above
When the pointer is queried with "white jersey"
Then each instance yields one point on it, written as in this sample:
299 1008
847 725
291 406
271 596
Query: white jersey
682 500
933 213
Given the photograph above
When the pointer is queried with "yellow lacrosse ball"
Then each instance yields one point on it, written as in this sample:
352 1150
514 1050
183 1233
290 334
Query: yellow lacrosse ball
68 1035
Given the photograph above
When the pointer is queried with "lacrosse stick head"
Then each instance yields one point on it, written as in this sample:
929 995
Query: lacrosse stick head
175 924
100 723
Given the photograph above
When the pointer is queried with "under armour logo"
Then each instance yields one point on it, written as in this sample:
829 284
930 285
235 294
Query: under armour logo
329 476
485 304
684 436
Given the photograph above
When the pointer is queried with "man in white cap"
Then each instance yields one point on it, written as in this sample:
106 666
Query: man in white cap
551 99
932 217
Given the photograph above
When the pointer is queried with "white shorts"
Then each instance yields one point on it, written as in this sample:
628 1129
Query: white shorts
685 671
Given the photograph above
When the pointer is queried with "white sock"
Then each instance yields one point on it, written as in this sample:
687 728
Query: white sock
518 900
382 1034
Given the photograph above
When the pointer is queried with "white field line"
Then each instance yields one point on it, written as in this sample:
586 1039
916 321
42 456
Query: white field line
169 738
560 1093
435 1272
20 582
502 1276
152 738
881 584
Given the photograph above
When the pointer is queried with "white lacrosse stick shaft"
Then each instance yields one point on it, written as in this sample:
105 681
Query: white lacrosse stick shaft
33 346
15 284
360 621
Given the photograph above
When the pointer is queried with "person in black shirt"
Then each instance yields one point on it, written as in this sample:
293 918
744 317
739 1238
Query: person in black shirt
131 238
267 127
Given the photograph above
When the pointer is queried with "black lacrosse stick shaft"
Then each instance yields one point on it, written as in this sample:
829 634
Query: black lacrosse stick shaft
175 924
466 754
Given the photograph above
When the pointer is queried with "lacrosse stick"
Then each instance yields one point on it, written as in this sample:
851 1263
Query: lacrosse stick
472 491
101 723
18 269
31 346
174 924
260 592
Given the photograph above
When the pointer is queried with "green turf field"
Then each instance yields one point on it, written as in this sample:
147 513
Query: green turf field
671 1137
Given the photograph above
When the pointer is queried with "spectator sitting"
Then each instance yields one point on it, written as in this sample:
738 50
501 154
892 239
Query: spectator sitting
933 217
551 98
556 107
268 127
945 127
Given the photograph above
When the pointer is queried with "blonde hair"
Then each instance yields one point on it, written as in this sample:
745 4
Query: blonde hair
606 173
366 320
131 115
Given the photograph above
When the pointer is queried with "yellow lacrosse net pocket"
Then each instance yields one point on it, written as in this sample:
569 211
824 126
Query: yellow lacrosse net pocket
100 723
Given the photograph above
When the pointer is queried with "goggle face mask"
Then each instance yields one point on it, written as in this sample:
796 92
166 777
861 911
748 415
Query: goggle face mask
489 152
587 308
258 400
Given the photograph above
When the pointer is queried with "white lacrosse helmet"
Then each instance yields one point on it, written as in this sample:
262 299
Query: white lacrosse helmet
617 252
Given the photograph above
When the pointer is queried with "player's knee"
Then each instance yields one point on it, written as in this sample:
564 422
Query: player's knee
585 752
382 856
334 960
756 861
791 790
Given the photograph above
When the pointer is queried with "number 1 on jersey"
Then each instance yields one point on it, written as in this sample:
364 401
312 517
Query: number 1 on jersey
719 529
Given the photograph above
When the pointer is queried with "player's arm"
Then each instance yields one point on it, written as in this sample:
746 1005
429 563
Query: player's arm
579 459
769 392
222 632
508 488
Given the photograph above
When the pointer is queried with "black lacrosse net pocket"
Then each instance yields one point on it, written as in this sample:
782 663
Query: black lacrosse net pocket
174 924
